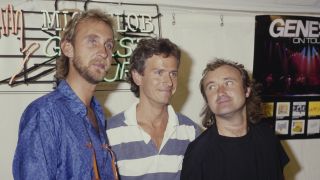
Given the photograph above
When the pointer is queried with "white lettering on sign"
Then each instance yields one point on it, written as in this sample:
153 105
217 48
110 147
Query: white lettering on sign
134 22
294 28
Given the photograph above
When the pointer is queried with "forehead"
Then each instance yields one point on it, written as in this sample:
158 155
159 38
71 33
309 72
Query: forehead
223 72
94 26
159 61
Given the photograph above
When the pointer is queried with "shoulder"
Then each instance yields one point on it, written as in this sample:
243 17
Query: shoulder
264 128
198 149
198 154
185 120
116 121
264 135
200 144
118 132
41 116
44 105
46 101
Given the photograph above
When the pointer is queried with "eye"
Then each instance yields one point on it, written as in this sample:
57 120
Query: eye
159 72
92 41
229 83
109 45
211 87
174 74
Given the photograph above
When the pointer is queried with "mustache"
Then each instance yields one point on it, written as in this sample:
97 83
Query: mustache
222 98
103 61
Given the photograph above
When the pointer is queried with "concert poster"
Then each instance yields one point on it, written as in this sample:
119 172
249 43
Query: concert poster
287 66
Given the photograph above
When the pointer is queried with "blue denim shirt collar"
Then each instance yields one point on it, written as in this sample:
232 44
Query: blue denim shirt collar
75 103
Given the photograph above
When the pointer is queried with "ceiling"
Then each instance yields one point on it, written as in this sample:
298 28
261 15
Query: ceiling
260 6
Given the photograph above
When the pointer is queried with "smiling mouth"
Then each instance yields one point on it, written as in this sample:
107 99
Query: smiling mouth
168 91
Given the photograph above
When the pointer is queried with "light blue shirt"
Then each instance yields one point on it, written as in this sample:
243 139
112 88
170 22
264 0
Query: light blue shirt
53 140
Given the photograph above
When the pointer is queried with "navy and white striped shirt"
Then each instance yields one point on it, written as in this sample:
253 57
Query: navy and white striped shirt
138 157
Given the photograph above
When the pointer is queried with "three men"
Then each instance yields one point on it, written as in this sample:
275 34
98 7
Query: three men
61 135
149 139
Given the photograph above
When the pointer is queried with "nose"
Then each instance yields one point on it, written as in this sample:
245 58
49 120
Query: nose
221 90
168 79
104 52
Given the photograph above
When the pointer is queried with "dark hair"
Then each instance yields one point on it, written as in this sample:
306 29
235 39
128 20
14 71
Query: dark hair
70 32
253 102
145 49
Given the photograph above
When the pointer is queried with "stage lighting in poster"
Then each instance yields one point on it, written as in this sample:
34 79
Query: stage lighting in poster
286 55
314 108
268 109
313 126
283 109
298 109
297 127
282 127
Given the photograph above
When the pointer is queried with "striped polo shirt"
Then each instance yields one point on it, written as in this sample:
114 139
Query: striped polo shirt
138 157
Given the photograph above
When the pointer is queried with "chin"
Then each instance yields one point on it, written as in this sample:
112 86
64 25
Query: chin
95 81
223 112
164 102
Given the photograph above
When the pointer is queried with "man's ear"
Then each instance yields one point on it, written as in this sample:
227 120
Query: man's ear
67 49
137 78
248 92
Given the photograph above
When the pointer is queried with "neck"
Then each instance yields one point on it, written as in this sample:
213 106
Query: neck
82 88
235 128
150 114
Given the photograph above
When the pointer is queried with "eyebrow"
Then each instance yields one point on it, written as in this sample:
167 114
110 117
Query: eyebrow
91 36
110 40
229 78
97 36
164 69
210 82
224 79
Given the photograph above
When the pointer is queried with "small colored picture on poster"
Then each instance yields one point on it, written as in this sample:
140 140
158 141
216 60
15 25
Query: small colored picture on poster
298 109
268 109
297 127
283 109
314 108
313 126
282 127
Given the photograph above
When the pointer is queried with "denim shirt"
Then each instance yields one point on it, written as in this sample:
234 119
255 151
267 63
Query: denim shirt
54 138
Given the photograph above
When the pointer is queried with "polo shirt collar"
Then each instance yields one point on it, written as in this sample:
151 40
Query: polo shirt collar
131 116
131 120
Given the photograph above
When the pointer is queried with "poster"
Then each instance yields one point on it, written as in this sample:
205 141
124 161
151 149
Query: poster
314 126
314 108
297 126
287 66
283 109
268 109
282 127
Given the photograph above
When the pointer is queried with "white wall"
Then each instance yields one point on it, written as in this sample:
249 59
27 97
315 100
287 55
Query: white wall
201 38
